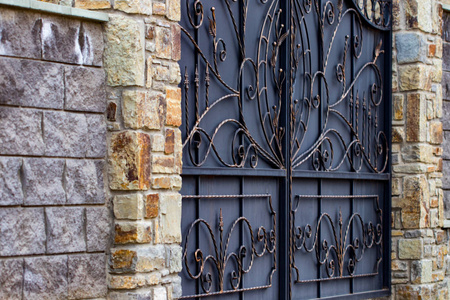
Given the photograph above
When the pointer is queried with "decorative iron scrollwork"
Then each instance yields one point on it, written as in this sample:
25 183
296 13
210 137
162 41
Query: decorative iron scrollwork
346 249
261 242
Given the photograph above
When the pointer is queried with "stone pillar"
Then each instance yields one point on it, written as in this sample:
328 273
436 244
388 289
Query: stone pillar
419 244
142 47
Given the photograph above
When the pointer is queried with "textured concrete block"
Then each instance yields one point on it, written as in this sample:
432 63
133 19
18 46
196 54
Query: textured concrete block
87 276
65 229
43 181
85 89
98 228
124 52
65 134
45 278
22 231
71 41
21 131
20 34
446 57
129 166
10 184
31 83
11 279
446 85
84 181
97 136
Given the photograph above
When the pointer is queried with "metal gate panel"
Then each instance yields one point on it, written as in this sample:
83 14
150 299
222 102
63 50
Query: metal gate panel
286 130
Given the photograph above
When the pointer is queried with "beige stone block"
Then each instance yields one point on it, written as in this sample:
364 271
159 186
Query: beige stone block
159 8
437 70
419 14
150 258
418 153
161 182
129 161
396 186
421 271
93 4
163 42
398 134
415 168
436 133
415 77
126 282
170 219
174 73
416 129
173 96
143 110
124 51
158 142
414 203
398 107
162 164
143 7
161 72
148 83
173 10
176 42
410 248
128 207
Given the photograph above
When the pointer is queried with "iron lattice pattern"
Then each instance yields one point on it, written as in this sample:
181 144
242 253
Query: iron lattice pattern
295 87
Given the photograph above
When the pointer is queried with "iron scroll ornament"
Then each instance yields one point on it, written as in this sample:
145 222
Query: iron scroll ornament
363 144
350 239
262 242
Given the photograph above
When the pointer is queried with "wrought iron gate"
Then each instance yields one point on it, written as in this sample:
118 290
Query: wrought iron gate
286 136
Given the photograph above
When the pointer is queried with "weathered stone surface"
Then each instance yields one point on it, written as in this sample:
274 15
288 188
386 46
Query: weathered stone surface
143 7
173 10
87 276
111 112
85 89
128 207
151 206
84 181
45 278
162 164
10 183
415 77
11 279
124 52
446 115
163 42
418 14
421 271
127 283
96 144
173 98
43 184
65 134
65 229
411 47
436 133
143 110
407 292
133 233
174 255
129 161
31 83
170 220
22 231
21 131
176 42
122 260
398 107
416 118
169 146
398 134
447 204
135 295
159 293
98 228
410 248
158 8
161 182
446 177
92 4
158 142
150 258
20 34
413 202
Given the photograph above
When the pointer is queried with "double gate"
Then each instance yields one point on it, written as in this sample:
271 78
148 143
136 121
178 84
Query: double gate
286 137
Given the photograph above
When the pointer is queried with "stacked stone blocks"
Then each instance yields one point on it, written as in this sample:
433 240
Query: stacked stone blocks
54 224
419 244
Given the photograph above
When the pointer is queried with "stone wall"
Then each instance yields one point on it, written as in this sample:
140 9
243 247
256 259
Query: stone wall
419 243
54 223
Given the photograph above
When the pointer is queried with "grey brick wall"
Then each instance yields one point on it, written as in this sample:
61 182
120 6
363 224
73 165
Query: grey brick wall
54 217
446 112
